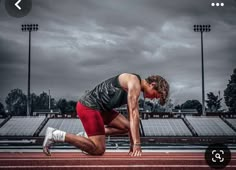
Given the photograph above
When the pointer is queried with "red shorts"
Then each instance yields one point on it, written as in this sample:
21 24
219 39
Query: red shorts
94 120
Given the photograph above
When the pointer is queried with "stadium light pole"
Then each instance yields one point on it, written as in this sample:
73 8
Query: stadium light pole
201 29
29 28
49 100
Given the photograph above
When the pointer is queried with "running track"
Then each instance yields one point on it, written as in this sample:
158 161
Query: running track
110 160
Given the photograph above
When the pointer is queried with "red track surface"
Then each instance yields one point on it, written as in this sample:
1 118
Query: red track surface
110 160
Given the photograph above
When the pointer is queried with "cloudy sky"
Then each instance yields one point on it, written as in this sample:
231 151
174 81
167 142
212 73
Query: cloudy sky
83 42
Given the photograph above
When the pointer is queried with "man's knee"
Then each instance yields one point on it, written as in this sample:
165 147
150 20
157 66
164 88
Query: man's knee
100 150
99 144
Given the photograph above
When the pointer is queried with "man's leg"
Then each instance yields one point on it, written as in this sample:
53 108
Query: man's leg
94 127
93 145
119 125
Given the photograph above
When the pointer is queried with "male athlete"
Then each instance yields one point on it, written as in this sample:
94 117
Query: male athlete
95 109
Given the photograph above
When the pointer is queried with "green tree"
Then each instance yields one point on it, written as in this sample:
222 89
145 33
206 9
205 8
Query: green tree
178 107
230 93
16 103
67 107
53 103
192 104
41 102
213 102
34 102
148 105
169 106
2 110
62 105
71 106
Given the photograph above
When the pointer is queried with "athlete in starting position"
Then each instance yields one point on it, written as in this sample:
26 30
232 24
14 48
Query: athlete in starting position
95 109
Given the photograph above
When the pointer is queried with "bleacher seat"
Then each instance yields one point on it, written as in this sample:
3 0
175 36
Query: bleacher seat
73 126
1 120
210 126
165 127
21 126
232 122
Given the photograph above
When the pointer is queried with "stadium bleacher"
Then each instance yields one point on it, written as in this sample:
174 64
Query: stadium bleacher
189 129
165 127
21 126
73 126
232 122
210 126
1 120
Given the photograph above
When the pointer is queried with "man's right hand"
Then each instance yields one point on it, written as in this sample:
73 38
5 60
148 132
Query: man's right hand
137 151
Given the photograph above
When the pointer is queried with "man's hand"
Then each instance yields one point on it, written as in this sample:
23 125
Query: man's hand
130 150
131 142
137 151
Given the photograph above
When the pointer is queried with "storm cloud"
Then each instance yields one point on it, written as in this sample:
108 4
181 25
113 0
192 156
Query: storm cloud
83 42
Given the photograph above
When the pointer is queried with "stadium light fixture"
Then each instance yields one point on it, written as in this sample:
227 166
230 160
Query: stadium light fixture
29 28
201 29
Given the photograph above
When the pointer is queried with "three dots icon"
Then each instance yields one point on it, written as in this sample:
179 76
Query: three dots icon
217 4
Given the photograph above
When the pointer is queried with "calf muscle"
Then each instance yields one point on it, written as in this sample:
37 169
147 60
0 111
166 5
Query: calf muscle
83 143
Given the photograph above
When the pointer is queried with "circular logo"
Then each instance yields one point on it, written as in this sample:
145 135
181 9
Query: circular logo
18 8
217 156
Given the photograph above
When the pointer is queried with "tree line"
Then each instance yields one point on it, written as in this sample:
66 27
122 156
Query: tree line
214 101
16 102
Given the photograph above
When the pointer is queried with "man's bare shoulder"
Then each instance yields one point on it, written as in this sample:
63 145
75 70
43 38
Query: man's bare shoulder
127 78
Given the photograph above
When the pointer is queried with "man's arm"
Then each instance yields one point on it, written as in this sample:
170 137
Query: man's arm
129 133
133 95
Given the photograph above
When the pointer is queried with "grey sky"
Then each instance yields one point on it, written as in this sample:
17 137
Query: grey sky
83 42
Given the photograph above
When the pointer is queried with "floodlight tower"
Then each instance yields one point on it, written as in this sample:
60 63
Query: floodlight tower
29 28
201 29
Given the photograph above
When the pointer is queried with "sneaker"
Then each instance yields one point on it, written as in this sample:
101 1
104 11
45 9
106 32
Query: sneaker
48 141
84 134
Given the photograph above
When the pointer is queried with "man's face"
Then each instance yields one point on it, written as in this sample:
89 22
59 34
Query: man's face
151 93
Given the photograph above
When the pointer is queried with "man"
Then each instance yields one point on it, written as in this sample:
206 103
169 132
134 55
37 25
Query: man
95 109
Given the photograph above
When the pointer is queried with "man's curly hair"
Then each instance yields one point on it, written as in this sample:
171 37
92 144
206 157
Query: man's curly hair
162 87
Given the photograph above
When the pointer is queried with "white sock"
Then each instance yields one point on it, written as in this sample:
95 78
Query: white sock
84 134
59 136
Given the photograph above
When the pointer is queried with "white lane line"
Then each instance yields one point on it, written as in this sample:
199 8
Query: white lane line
113 166
97 159
112 151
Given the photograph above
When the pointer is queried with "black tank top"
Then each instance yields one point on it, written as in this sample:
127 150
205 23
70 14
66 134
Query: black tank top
106 96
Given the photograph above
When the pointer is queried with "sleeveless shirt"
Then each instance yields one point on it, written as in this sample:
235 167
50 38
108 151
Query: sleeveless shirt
107 95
